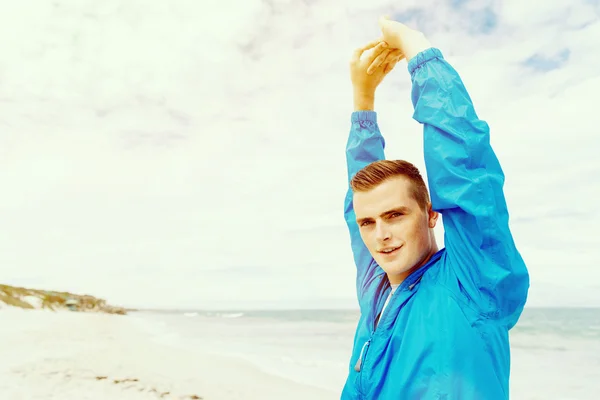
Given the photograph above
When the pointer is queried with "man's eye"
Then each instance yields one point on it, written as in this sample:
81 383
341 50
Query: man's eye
396 214
365 223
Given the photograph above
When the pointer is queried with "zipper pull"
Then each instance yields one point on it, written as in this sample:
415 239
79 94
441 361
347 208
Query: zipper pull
362 351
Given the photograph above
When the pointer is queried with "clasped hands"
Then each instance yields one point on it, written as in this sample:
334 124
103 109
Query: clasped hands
397 42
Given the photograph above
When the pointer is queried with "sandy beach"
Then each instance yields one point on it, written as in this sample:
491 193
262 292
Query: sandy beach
65 355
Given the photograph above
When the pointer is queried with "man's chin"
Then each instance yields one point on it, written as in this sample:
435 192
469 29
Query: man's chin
395 269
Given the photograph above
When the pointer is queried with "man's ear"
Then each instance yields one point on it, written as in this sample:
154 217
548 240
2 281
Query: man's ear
432 216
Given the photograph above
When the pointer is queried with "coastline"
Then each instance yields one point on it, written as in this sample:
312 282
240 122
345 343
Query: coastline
65 355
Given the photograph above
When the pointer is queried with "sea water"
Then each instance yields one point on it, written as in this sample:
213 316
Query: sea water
555 352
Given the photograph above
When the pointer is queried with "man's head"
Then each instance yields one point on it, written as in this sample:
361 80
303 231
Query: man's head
393 212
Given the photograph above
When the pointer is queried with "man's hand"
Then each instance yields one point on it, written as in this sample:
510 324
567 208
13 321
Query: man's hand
399 36
368 72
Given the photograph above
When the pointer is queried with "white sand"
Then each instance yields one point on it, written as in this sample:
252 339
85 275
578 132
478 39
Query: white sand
65 355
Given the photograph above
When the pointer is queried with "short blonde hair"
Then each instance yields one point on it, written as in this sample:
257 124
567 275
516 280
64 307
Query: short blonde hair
378 172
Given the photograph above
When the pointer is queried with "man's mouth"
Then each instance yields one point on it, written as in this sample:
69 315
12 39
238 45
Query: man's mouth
390 250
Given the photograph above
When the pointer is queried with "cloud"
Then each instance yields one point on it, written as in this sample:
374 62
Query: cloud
466 17
200 150
544 64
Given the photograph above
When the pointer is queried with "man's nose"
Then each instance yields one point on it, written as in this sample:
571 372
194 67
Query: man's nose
382 232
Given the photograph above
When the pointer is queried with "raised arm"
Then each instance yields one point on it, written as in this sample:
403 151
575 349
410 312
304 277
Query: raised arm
465 181
365 145
466 185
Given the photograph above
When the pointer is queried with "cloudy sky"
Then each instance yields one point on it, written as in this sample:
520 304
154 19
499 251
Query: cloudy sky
191 154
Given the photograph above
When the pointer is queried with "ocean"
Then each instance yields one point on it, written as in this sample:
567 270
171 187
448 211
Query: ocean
555 351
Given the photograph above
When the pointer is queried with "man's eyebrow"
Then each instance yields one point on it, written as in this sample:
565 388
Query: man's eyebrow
400 209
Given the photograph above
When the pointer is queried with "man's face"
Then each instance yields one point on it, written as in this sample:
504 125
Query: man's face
389 218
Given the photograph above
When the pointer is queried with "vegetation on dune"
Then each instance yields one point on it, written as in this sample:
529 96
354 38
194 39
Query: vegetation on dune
45 299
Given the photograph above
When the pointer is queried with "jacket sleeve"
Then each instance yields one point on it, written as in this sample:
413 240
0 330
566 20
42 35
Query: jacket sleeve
365 145
466 185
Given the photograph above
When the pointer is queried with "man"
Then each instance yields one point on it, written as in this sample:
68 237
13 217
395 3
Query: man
434 323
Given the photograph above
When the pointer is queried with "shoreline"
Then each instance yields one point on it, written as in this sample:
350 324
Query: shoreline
65 355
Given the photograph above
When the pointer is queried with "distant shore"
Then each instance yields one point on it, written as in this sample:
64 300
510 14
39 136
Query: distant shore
27 298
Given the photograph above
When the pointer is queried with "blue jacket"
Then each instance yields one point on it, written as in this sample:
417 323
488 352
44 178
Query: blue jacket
444 333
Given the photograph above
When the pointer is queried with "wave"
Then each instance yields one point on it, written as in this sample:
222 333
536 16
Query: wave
231 315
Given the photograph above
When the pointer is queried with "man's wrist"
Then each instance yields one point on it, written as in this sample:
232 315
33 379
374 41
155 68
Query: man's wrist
416 48
364 101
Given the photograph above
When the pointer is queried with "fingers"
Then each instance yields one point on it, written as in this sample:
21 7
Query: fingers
390 65
392 60
358 52
376 63
377 51
393 56
397 56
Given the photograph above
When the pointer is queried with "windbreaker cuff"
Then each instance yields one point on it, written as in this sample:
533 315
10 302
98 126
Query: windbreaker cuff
364 116
423 57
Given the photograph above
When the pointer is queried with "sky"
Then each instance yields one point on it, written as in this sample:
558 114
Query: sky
179 155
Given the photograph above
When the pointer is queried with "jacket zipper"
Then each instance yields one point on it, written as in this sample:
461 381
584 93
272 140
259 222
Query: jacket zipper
358 367
360 357
363 352
365 347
